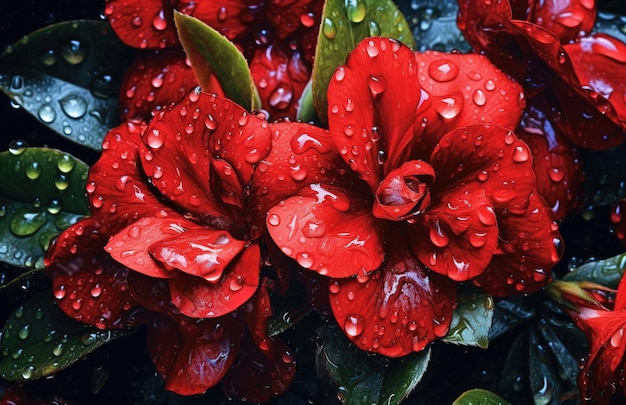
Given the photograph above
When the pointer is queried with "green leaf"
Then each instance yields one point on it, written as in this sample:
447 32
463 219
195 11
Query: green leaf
607 272
210 53
479 397
306 109
287 312
67 75
41 194
39 340
345 23
471 321
362 378
545 384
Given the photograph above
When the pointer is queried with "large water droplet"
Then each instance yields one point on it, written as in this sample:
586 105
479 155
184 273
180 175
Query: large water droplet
356 10
74 52
46 113
354 324
443 70
329 29
73 106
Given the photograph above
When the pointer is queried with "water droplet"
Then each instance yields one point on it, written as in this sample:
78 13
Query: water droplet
354 324
47 113
25 223
377 85
74 52
23 332
490 85
449 107
356 10
372 49
438 236
154 139
479 97
17 84
521 154
73 106
58 349
304 259
329 29
159 22
17 147
374 29
314 229
443 70
66 163
48 58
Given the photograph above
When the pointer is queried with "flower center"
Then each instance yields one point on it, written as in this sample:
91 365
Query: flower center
404 192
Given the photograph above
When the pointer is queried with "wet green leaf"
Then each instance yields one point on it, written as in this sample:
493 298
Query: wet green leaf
42 193
479 397
544 382
210 54
362 378
508 313
287 312
306 109
344 25
471 321
68 75
39 340
568 364
607 272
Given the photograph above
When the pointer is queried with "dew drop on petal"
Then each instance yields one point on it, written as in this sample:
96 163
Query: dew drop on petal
521 154
443 70
354 324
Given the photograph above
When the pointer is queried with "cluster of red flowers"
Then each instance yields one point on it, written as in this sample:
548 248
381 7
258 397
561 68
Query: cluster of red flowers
433 170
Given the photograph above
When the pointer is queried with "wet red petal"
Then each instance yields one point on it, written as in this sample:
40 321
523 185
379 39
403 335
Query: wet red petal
486 157
556 162
89 286
117 186
197 298
280 77
288 16
458 236
130 246
467 89
327 230
398 309
193 355
265 367
152 293
154 81
301 154
17 394
567 19
198 251
372 103
180 143
530 245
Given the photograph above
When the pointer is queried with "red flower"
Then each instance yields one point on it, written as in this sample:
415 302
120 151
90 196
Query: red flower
278 39
584 77
171 243
601 380
418 185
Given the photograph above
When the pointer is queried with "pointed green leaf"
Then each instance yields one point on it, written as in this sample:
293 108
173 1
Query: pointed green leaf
362 378
42 192
479 397
345 23
39 340
210 53
306 109
607 272
471 321
287 312
545 384
67 75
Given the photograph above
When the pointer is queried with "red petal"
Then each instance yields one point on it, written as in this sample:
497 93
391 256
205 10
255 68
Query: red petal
130 245
265 367
567 19
288 16
89 286
372 102
154 81
193 355
280 77
618 220
197 298
180 143
487 94
152 293
142 24
301 154
556 162
620 297
328 230
488 157
530 245
458 236
397 310
117 187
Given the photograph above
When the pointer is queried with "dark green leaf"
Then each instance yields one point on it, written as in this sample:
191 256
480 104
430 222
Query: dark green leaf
287 312
514 378
67 75
607 272
210 53
362 378
471 321
568 364
39 340
479 397
544 383
42 192
306 109
345 23
508 313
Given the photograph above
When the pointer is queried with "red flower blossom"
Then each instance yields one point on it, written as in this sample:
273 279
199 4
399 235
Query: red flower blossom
418 185
278 39
601 380
171 243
